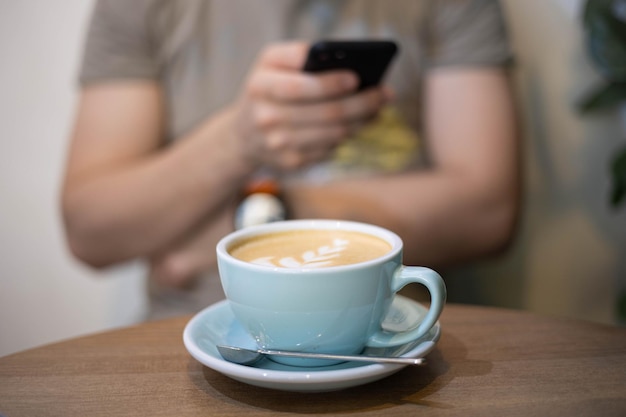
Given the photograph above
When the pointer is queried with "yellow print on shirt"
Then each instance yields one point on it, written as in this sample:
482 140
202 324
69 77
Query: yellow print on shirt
386 145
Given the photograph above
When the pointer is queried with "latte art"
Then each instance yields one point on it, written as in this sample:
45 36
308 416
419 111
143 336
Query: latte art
323 256
309 248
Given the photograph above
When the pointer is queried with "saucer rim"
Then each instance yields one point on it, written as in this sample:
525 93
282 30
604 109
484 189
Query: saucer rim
305 379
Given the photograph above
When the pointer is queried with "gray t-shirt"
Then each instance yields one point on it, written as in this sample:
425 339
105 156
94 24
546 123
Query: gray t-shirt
201 50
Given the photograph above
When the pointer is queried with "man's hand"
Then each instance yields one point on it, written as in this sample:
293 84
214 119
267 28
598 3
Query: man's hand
287 119
180 264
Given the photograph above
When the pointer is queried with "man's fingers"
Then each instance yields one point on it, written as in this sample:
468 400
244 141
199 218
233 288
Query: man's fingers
296 86
308 138
350 109
278 75
286 55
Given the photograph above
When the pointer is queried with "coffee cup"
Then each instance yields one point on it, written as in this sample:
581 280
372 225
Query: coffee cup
320 286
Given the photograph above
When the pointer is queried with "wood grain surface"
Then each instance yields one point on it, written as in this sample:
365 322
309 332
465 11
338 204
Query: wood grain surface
488 362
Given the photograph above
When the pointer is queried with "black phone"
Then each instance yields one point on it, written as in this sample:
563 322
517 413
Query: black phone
368 58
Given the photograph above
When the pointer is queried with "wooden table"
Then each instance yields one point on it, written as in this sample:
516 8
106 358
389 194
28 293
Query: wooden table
488 362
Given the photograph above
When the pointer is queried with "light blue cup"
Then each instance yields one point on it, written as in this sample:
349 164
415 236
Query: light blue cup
336 309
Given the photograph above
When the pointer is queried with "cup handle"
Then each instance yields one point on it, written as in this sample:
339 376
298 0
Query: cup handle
434 283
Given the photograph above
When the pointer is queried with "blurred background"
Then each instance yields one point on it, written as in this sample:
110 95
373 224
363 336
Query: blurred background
569 259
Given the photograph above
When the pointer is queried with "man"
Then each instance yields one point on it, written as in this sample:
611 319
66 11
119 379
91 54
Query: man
183 104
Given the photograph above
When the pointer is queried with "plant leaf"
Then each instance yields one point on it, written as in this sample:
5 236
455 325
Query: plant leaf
603 97
618 176
606 38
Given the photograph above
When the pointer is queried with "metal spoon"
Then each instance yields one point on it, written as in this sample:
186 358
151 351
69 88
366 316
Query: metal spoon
244 356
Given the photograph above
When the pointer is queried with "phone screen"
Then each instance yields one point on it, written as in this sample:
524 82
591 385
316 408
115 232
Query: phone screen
368 58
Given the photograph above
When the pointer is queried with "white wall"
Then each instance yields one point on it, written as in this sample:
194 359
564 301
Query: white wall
569 259
44 295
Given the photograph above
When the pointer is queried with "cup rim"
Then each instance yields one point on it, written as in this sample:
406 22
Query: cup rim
390 237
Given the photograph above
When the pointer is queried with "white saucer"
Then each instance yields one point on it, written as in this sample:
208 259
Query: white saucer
217 325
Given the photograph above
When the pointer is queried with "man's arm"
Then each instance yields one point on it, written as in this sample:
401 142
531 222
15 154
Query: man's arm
127 195
465 205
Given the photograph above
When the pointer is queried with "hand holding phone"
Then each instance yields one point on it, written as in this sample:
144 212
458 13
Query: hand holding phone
368 58
284 120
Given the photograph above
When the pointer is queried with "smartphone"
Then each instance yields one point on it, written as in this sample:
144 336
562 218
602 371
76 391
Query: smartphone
368 58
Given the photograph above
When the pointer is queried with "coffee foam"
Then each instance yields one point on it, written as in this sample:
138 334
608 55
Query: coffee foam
309 248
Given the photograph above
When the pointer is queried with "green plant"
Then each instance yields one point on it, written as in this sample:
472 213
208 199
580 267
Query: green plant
605 29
